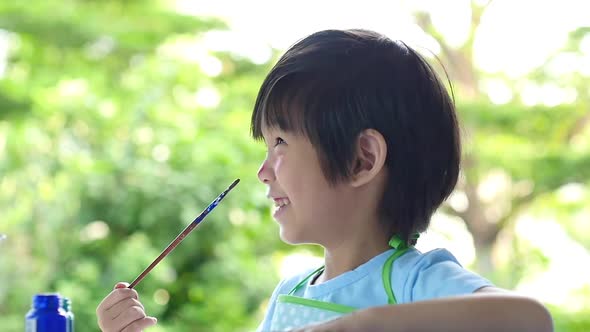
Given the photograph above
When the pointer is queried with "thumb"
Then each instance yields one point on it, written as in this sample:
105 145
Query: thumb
121 285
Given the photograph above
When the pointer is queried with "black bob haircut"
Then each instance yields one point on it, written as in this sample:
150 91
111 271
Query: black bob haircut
333 84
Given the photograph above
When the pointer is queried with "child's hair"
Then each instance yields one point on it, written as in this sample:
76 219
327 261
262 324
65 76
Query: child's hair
334 84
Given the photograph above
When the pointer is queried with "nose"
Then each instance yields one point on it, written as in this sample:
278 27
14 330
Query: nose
266 173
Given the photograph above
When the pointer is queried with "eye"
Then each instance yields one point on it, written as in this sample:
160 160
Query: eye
279 141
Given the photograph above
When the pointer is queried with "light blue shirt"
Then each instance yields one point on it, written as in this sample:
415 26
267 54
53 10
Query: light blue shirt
415 277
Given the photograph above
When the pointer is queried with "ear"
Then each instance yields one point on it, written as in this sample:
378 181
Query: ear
371 153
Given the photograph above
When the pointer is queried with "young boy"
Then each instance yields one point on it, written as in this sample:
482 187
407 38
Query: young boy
363 146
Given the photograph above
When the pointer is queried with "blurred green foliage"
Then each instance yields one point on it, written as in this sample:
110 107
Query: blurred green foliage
106 153
106 156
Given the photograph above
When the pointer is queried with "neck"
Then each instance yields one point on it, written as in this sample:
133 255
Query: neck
352 253
361 235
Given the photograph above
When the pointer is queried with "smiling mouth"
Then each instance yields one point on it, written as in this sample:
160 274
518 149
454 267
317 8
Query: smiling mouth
280 205
283 201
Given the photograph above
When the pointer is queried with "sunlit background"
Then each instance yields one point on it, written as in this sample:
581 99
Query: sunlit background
121 120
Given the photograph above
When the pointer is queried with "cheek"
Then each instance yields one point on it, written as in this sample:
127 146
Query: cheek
278 166
287 174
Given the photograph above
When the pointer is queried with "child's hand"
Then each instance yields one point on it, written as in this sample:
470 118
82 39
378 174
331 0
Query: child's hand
121 311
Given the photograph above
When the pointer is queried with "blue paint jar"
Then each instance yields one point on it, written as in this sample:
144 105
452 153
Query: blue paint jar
46 314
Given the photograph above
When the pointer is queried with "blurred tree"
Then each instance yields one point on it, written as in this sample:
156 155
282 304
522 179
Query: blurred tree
113 136
523 159
536 149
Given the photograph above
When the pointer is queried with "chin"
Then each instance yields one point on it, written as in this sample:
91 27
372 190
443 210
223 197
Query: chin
291 238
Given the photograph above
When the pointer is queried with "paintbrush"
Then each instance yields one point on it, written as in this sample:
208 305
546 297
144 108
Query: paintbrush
183 234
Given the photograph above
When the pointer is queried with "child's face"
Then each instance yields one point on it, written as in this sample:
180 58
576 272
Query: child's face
308 209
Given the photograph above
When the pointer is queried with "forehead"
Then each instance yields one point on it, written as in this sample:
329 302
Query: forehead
265 132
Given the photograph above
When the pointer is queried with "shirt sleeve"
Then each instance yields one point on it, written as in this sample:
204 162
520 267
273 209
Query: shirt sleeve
438 274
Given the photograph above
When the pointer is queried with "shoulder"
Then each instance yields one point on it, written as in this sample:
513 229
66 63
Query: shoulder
435 274
415 262
418 260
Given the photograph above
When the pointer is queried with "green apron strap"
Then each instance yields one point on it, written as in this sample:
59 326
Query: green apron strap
302 282
386 277
400 248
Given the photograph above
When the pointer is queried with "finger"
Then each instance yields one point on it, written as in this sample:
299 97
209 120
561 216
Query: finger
121 285
141 324
128 316
114 311
115 297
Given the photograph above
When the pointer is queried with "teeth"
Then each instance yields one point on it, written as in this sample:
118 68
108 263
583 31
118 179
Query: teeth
282 202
